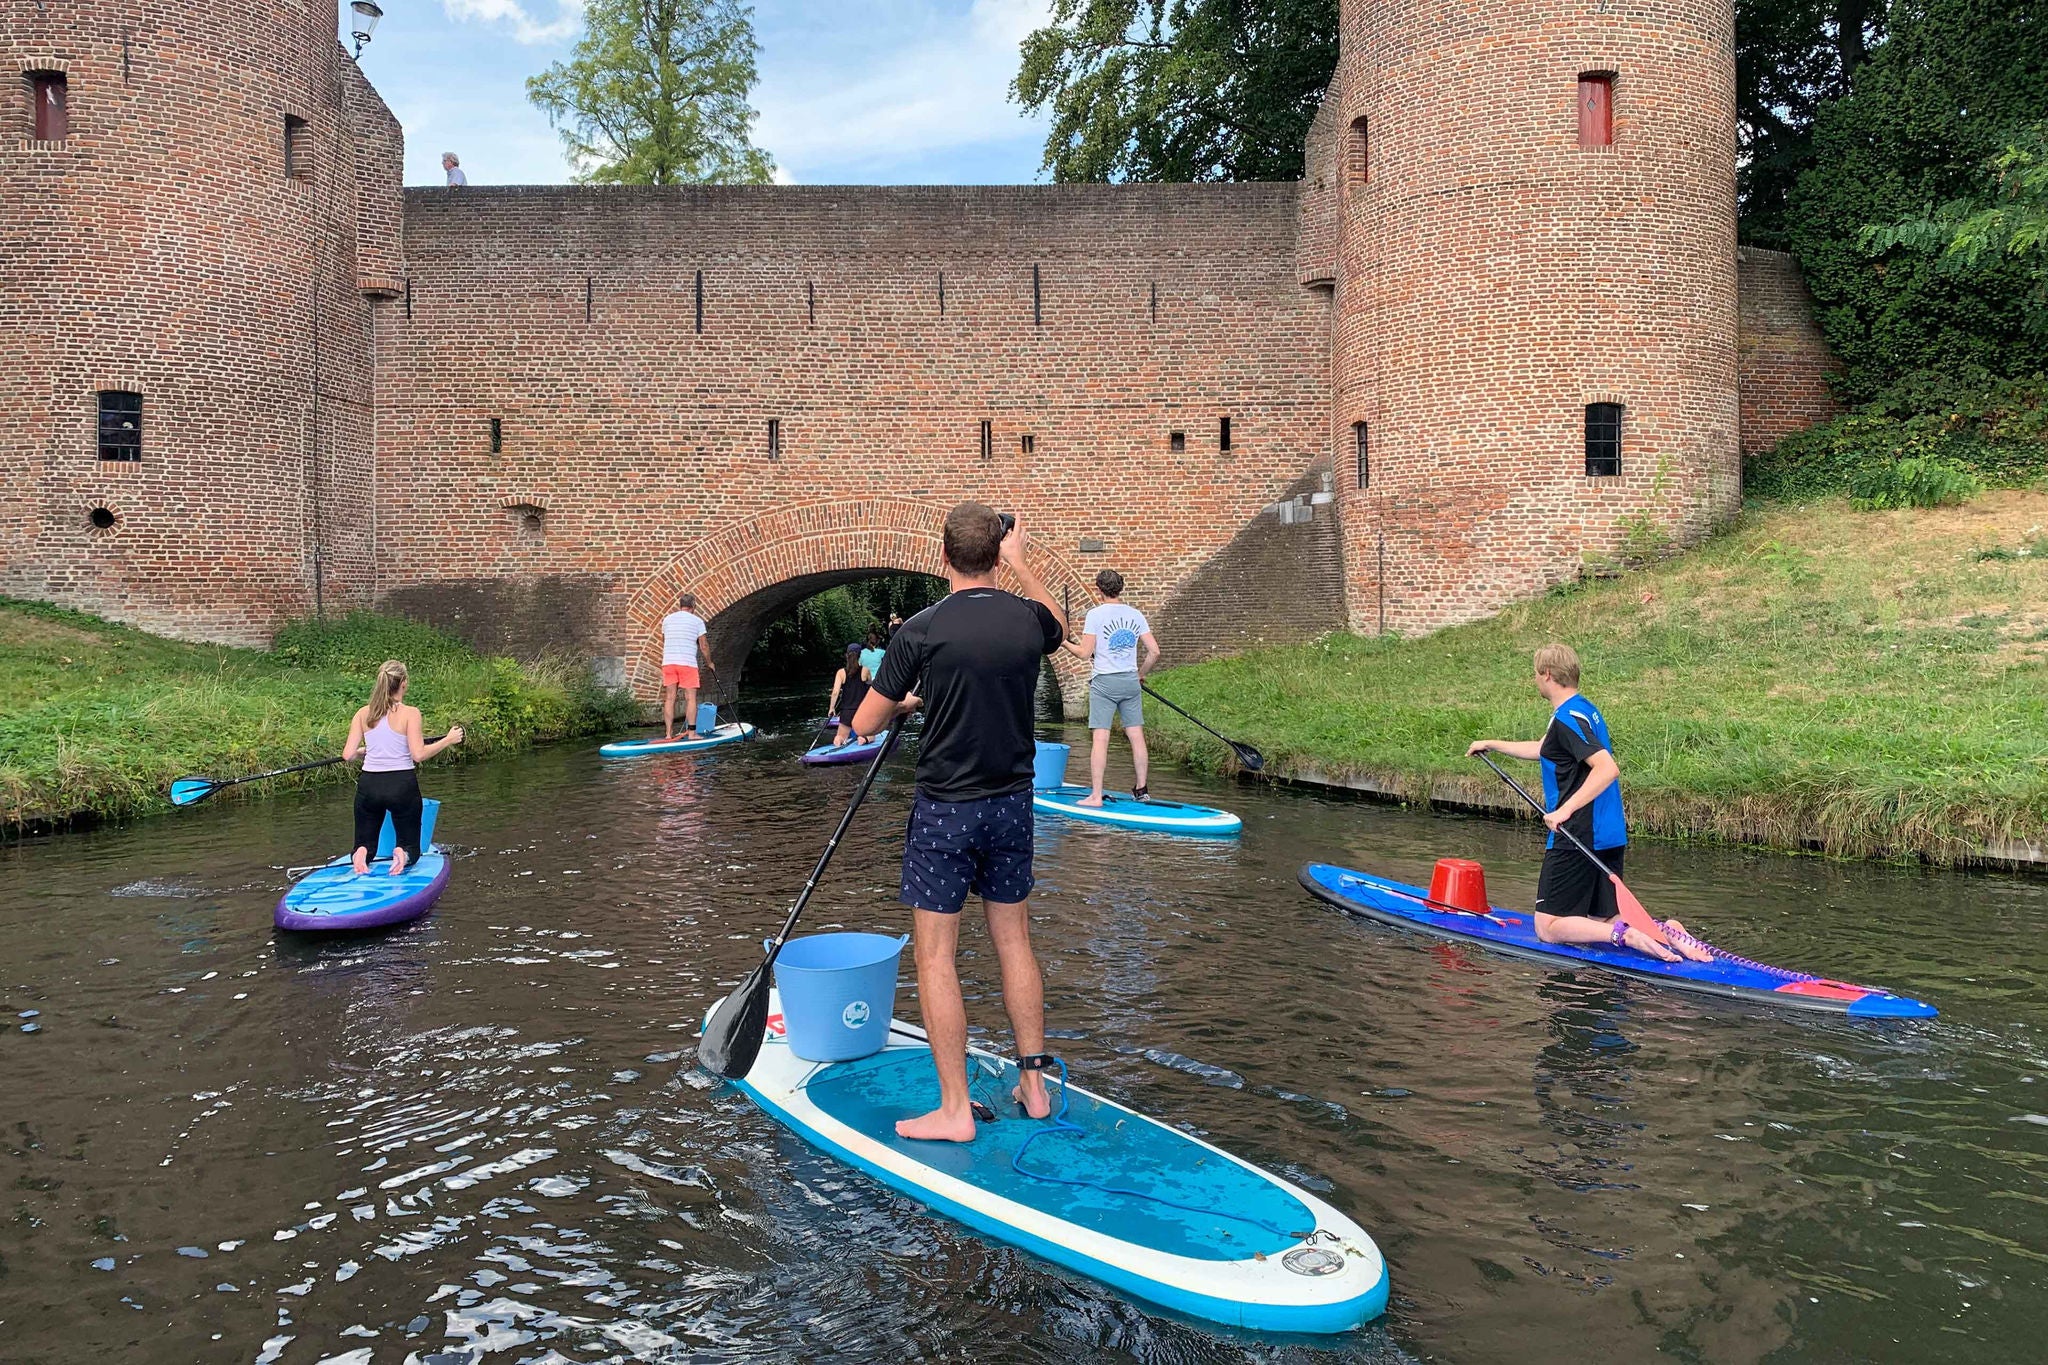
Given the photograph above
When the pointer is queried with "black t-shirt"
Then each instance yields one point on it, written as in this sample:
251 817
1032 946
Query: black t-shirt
974 658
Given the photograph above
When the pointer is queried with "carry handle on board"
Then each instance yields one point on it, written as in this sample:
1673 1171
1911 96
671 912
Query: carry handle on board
190 791
733 1034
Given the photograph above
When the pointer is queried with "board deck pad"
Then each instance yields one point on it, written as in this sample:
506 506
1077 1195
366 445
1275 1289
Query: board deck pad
1167 817
636 748
1514 933
333 897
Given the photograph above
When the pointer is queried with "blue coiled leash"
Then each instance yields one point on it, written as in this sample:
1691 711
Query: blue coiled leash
1060 1123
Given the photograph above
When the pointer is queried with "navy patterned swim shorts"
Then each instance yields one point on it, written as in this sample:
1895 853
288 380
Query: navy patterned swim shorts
954 847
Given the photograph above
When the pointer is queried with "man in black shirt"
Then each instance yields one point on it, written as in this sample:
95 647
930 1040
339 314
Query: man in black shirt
971 661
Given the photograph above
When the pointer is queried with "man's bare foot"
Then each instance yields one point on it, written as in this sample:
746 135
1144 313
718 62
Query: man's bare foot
397 861
1092 799
669 738
939 1126
1684 942
1030 1093
1643 943
362 863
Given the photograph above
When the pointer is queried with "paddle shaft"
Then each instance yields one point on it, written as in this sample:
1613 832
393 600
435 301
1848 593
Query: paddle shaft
1630 908
860 794
214 784
1249 756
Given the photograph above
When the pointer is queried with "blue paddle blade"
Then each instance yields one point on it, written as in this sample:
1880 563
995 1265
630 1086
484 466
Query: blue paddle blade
187 790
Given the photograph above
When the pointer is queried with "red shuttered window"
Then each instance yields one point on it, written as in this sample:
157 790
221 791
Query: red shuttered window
49 98
1596 109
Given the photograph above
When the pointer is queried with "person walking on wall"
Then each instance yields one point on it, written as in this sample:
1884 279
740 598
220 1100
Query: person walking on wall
453 166
849 690
683 650
972 660
1111 637
387 735
1575 901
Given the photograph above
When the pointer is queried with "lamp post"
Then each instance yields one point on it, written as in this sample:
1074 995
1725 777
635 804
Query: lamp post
367 13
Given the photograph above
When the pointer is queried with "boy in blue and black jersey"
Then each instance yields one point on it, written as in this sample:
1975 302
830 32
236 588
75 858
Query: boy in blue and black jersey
1575 901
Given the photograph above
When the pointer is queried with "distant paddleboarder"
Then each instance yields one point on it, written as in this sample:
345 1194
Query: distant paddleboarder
1575 902
387 734
849 690
972 660
683 649
1110 639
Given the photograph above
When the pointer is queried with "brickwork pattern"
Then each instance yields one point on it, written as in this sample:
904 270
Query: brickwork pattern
1495 277
571 316
1782 357
162 248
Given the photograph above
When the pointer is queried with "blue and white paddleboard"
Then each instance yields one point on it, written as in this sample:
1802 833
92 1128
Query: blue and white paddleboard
640 748
1168 817
1142 1207
853 751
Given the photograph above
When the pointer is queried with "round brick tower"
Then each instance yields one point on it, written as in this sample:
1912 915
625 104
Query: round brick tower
1536 253
196 206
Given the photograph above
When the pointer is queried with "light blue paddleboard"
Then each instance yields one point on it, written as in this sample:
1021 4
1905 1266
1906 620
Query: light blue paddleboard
640 748
1154 1212
1167 817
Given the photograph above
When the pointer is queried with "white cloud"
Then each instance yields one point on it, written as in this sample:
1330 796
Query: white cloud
523 27
947 88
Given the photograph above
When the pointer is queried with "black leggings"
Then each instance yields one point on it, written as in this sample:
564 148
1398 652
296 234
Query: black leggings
396 794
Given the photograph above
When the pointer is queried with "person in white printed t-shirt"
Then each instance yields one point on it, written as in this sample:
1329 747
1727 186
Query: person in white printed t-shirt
683 649
1110 638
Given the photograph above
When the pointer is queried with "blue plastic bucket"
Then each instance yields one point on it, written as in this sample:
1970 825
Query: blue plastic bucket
838 994
707 718
388 839
1049 768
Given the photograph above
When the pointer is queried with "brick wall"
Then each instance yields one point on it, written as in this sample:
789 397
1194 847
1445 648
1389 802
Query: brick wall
1495 277
162 248
1781 355
570 315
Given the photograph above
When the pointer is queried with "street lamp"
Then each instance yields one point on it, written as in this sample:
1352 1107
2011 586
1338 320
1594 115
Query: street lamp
367 13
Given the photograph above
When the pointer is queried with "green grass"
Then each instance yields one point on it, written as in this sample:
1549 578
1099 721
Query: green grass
101 717
1868 684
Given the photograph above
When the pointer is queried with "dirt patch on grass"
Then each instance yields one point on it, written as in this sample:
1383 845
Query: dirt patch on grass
24 630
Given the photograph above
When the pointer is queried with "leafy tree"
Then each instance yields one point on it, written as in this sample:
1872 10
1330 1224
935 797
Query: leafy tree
1791 56
1178 90
1951 85
2007 220
656 94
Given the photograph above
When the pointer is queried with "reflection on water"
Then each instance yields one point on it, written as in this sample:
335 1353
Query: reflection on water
477 1138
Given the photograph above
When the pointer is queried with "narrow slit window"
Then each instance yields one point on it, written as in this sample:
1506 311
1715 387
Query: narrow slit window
120 425
1358 436
1603 440
1027 443
774 438
1357 163
1223 434
1596 109
298 151
1176 441
49 96
497 436
988 439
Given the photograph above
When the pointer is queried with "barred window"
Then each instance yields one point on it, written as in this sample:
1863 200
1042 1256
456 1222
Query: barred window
1364 457
1603 440
120 425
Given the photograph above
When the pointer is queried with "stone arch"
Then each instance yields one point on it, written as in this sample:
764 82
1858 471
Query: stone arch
748 572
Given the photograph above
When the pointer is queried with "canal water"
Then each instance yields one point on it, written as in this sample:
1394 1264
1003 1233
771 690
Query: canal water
478 1138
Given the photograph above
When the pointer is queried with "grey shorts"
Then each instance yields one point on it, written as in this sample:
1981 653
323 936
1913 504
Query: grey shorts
1113 695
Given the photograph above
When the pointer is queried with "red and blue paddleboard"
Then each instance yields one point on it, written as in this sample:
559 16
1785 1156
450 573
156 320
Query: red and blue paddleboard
1513 933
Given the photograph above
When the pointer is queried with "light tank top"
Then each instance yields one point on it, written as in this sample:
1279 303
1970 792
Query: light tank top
384 749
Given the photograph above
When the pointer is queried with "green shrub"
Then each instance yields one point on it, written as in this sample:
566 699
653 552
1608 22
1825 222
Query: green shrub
1913 482
362 640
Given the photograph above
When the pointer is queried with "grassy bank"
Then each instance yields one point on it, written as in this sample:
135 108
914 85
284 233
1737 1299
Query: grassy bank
100 717
1867 683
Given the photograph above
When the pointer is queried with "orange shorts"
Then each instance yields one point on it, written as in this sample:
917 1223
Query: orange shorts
678 675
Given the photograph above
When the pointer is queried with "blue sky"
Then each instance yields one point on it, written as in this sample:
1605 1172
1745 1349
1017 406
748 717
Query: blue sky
855 92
